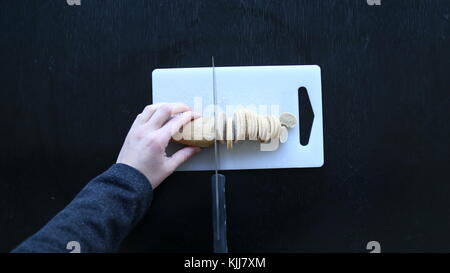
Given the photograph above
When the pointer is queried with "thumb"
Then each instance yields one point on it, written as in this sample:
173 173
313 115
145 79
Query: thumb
182 156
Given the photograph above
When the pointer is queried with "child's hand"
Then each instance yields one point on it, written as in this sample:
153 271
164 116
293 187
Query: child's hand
146 142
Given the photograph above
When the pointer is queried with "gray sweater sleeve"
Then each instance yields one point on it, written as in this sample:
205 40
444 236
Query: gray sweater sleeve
99 217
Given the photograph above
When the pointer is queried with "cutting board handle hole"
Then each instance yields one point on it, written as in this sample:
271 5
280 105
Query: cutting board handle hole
306 116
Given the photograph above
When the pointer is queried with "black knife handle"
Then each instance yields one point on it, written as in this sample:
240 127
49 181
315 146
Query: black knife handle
219 213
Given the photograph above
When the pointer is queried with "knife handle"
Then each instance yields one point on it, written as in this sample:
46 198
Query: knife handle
219 213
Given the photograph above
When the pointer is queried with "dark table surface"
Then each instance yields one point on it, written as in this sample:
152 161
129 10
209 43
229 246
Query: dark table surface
73 78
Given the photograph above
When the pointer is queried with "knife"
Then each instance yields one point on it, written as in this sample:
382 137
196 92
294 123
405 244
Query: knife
219 212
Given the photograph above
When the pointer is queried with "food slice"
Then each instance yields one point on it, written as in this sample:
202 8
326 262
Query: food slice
236 126
266 131
264 128
239 122
229 133
220 127
283 134
260 128
274 127
253 126
288 120
247 123
243 124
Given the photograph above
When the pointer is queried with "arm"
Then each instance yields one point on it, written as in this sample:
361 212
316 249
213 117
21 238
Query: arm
104 212
99 217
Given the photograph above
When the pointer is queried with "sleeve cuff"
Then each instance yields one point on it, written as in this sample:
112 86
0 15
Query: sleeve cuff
134 179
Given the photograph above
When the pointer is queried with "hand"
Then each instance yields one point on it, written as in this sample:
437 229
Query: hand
146 142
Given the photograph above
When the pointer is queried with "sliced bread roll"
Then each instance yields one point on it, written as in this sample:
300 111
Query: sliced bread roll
243 125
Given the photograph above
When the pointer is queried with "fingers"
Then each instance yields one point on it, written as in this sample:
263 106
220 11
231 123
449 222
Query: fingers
149 110
182 156
175 124
164 112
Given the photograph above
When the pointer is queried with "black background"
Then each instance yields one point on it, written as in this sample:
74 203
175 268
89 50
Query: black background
73 78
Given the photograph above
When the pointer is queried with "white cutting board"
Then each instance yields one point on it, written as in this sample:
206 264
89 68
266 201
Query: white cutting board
248 85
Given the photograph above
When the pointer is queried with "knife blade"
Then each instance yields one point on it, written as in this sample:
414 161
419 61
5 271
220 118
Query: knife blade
218 186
